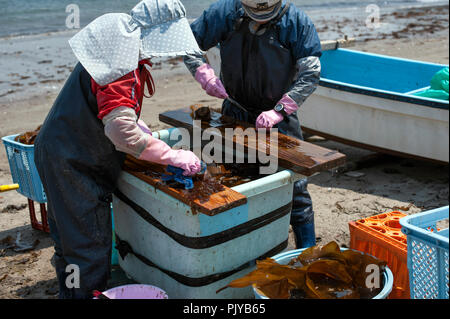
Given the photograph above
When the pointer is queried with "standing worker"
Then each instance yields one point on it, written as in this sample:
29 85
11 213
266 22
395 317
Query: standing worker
270 54
94 121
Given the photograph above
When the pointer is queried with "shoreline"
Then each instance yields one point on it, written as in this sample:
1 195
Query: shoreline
40 64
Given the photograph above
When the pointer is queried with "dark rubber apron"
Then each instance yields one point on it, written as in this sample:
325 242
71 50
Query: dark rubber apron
257 70
79 167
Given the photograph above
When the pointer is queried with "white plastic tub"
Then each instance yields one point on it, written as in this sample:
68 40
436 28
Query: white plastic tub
192 255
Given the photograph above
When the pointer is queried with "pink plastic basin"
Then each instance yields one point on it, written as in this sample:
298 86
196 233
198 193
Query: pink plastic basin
136 292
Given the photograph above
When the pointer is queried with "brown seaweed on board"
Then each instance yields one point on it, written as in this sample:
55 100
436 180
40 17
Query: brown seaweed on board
202 113
209 117
218 176
231 175
203 189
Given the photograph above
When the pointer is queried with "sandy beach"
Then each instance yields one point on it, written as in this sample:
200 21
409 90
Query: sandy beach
34 69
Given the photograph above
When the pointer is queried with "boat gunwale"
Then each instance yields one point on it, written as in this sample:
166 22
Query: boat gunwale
390 95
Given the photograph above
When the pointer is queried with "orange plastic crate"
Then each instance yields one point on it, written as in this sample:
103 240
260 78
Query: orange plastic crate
381 237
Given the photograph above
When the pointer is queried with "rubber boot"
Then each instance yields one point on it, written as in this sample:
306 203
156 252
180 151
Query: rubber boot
305 235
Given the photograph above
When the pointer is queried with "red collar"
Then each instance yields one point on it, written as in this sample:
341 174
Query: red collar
146 78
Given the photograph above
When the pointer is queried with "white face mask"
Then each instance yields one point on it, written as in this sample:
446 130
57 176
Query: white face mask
262 11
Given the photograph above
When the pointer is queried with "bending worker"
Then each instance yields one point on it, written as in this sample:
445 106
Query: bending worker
94 122
270 64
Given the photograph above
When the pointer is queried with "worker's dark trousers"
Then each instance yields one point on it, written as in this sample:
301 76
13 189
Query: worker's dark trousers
302 216
79 216
78 166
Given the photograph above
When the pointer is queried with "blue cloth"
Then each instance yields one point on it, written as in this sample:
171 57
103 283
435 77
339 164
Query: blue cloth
297 31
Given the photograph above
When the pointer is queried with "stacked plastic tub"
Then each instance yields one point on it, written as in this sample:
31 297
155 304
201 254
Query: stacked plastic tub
191 255
381 237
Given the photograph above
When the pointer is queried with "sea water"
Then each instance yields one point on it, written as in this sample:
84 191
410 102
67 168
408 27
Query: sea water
21 17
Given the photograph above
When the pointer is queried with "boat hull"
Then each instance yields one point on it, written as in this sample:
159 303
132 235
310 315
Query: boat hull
367 100
386 125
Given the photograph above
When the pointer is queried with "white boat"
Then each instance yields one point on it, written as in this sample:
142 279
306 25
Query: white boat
367 100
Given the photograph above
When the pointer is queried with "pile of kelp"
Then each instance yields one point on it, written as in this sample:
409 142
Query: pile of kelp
28 137
320 272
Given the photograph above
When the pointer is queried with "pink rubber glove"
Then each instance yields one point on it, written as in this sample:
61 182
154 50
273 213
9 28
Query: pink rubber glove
268 119
271 118
144 127
210 82
159 152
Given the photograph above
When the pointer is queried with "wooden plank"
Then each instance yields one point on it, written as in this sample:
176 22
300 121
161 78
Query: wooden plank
329 45
299 156
211 205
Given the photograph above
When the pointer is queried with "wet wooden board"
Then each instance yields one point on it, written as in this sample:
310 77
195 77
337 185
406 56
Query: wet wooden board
216 203
299 156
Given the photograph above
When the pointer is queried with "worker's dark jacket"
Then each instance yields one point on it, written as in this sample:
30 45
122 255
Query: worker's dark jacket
258 68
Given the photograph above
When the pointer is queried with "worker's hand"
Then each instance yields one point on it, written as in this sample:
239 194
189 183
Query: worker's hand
268 119
144 127
187 161
210 82
159 152
271 118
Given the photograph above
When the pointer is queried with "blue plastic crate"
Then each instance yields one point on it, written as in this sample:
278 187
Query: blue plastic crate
23 169
24 173
427 254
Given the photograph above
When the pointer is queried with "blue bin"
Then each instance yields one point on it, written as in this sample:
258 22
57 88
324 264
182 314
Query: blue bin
23 169
427 254
24 172
284 258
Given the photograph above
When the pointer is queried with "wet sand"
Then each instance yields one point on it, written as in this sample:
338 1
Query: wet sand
386 184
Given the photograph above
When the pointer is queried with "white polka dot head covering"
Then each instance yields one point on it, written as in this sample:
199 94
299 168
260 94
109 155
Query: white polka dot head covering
113 44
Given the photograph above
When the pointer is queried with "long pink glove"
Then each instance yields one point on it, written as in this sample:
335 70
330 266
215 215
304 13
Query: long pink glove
210 82
271 118
159 152
144 127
